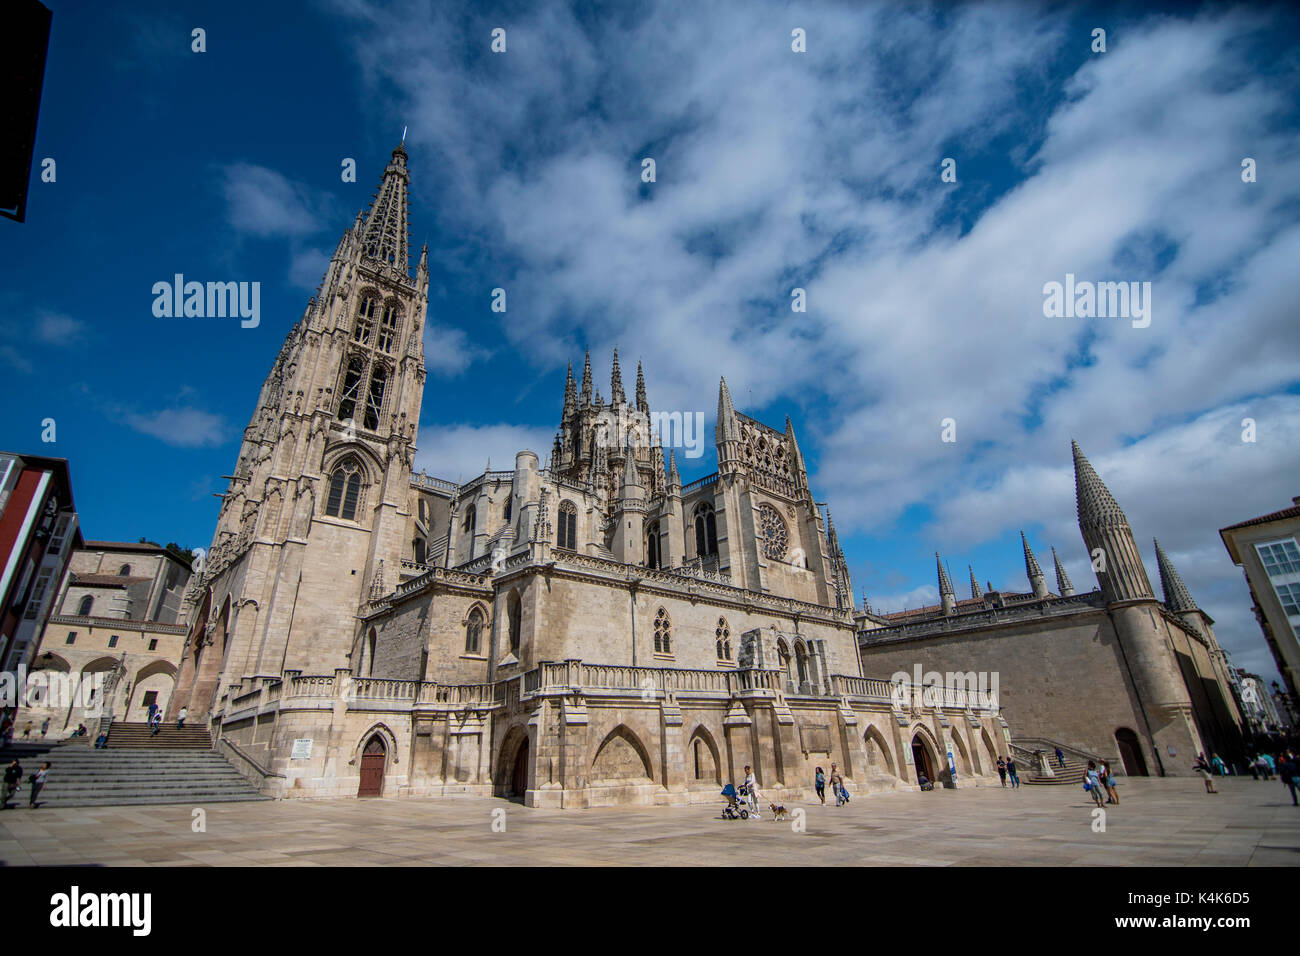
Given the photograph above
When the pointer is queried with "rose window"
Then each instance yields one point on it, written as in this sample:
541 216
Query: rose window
773 528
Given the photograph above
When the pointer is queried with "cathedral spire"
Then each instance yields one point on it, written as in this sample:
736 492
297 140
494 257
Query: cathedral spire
586 378
616 396
728 429
1107 536
570 394
946 594
674 479
641 404
975 591
384 236
1063 584
1096 507
1177 597
1035 573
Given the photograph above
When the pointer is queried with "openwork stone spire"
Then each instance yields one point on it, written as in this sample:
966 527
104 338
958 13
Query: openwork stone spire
1177 597
728 428
975 591
642 405
1063 585
1031 563
384 236
586 378
570 394
616 396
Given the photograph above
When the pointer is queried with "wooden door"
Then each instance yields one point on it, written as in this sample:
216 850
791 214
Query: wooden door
373 759
519 775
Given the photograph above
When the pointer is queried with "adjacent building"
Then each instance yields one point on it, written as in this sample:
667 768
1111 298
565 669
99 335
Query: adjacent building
1265 548
38 532
117 629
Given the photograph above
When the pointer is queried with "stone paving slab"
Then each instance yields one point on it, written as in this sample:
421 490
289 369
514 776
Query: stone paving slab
1169 822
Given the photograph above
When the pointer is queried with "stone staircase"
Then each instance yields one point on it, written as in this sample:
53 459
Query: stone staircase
124 735
1071 773
81 776
1076 762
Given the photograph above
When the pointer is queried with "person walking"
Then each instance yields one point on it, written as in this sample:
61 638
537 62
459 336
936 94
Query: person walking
1060 758
155 723
819 781
13 780
1108 782
38 784
751 792
837 786
1203 768
1002 771
1012 773
1286 769
1093 782
45 727
180 718
27 730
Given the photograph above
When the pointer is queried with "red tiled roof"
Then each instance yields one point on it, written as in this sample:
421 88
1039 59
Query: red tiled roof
1292 512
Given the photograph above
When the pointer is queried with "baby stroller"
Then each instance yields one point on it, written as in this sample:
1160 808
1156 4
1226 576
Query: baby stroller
734 810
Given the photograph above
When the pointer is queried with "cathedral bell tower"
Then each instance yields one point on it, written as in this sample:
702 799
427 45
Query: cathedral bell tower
316 508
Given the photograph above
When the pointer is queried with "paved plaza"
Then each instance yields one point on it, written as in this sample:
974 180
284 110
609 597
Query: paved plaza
1160 822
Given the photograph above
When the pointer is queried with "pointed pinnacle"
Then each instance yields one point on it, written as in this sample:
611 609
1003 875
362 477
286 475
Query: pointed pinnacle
1031 563
974 585
945 586
1096 506
1177 597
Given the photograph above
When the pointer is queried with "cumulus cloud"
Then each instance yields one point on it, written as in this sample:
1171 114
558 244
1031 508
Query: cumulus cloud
264 203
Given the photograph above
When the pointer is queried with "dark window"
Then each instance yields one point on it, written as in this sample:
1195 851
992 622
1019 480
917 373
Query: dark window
150 697
86 606
388 328
350 497
509 507
365 321
516 621
153 644
706 531
124 571
345 492
567 532
419 550
663 633
351 388
112 641
72 638
470 518
375 397
652 546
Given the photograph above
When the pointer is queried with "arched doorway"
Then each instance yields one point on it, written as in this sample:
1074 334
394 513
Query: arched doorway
1130 752
373 759
923 759
519 772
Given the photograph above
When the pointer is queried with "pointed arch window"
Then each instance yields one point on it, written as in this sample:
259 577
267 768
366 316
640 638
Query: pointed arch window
344 491
706 530
515 615
663 632
375 397
652 546
474 632
124 571
509 508
351 393
388 327
471 519
722 634
801 662
86 606
365 323
567 532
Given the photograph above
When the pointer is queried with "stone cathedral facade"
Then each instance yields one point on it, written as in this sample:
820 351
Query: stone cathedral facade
580 632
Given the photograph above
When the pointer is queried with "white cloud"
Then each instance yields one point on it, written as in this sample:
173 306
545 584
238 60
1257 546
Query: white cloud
182 427
263 202
461 452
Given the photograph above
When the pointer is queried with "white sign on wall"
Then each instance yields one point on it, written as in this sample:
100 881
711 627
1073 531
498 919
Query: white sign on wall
301 749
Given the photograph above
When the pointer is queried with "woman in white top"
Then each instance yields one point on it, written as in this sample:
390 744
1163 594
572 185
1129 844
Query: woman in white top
751 792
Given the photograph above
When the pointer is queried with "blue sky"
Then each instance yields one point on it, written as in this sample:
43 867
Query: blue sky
774 170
